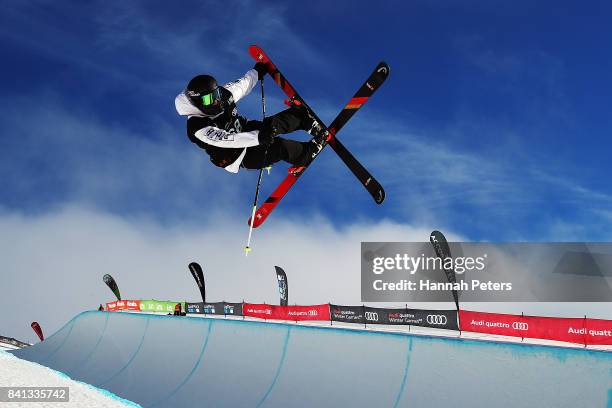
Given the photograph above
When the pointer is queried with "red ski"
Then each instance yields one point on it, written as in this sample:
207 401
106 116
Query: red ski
374 81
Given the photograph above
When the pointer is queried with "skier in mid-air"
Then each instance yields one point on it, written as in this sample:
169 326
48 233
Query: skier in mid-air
231 140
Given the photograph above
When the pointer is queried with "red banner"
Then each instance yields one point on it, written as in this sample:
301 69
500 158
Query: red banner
598 331
492 323
123 305
570 330
295 313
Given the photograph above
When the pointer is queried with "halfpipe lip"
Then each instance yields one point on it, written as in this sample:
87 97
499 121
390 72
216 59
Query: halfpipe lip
421 333
463 337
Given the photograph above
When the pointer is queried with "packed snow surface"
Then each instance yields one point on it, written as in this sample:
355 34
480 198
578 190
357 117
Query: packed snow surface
15 372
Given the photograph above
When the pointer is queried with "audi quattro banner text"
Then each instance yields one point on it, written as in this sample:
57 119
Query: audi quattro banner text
217 308
439 319
296 313
571 330
486 272
598 331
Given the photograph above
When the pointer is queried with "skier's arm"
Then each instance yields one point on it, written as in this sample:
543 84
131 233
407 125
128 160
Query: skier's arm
243 86
218 137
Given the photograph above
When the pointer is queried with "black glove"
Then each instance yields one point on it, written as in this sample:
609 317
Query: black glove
261 69
266 135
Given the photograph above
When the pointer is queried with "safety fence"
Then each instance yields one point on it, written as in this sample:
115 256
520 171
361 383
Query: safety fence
584 331
572 330
13 342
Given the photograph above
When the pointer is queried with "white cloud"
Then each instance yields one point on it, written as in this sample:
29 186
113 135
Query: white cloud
53 263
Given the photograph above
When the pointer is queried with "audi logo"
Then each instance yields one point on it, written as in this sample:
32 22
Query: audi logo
520 326
437 319
312 313
372 316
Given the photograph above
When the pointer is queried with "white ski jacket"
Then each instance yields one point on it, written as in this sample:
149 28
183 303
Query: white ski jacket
215 136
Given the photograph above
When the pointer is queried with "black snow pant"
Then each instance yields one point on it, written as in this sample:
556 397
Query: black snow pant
291 151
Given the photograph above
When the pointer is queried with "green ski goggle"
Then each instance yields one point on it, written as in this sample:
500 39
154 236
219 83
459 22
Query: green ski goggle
211 98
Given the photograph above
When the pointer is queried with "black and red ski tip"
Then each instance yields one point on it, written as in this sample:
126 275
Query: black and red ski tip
260 56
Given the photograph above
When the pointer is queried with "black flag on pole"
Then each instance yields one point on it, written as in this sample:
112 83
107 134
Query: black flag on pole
198 275
440 245
110 282
283 285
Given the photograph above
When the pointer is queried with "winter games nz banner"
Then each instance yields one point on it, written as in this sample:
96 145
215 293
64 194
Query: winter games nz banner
486 272
439 319
347 314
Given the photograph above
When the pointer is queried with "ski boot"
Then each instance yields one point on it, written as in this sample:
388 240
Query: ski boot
320 135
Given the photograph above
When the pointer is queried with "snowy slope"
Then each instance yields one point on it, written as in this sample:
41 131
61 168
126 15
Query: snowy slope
15 372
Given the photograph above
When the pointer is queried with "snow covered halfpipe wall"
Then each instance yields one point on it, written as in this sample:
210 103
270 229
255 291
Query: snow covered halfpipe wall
169 361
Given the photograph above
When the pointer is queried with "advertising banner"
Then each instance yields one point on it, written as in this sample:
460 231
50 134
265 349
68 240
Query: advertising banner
295 313
571 330
112 285
232 309
283 286
442 250
38 330
439 319
493 323
13 342
124 305
159 306
347 314
198 276
194 307
598 331
206 308
217 308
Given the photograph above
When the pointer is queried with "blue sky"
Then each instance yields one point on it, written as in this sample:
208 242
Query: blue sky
494 122
493 125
